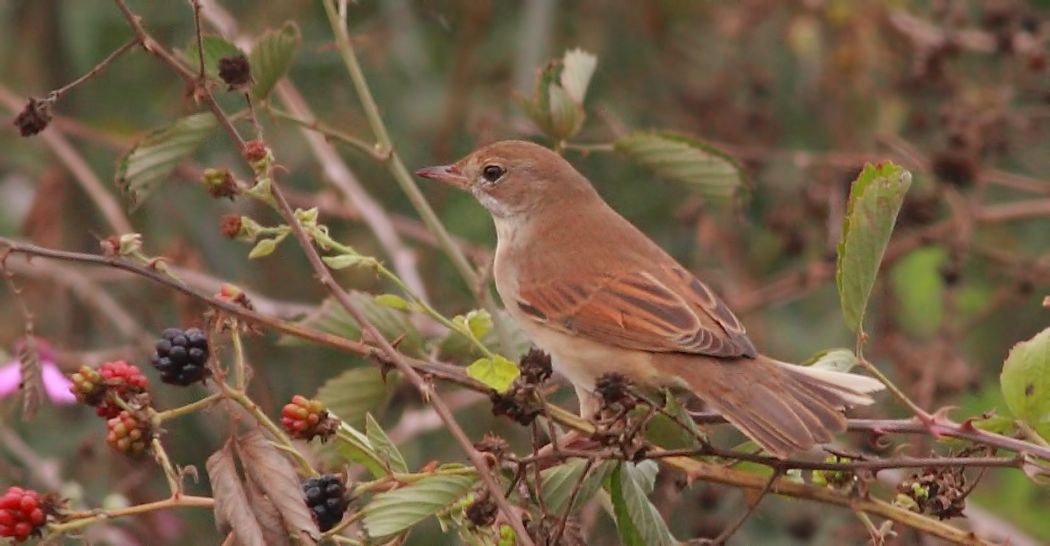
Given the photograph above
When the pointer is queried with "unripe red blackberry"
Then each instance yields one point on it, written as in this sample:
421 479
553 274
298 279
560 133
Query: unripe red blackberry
305 419
22 513
129 434
181 356
327 500
111 379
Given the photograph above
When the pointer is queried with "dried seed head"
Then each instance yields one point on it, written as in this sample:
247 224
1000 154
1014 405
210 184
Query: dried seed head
34 118
235 71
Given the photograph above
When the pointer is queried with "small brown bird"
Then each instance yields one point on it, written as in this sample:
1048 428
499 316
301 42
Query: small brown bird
599 296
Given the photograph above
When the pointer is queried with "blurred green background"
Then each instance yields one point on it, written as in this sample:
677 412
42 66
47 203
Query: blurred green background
801 93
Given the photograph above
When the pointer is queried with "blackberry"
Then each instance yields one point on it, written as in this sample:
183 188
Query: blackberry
327 500
129 434
112 379
305 419
181 356
22 513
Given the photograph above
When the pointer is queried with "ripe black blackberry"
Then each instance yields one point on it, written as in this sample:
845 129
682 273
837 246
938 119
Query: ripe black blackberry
326 498
181 356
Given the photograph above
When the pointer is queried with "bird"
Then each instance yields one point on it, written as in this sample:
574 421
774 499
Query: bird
599 296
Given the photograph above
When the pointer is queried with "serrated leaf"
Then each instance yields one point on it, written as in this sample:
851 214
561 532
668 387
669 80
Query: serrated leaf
577 69
383 447
702 167
395 511
665 432
1025 382
354 393
637 520
278 479
874 201
558 482
153 158
392 301
353 446
496 373
215 48
272 57
263 248
332 318
232 509
837 360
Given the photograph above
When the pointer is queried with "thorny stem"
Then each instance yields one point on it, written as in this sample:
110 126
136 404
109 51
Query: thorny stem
161 416
84 519
196 4
920 413
238 359
170 474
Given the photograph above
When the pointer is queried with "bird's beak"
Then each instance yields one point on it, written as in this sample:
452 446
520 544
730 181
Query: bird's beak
449 174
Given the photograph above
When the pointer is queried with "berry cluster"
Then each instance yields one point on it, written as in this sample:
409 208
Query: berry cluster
112 379
181 356
129 434
326 498
305 419
21 513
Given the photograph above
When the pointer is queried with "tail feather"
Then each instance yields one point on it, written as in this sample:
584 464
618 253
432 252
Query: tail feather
783 407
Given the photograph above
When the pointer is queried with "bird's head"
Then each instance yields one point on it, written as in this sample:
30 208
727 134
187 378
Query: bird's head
513 177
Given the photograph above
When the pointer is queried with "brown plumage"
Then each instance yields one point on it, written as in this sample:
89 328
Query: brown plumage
599 296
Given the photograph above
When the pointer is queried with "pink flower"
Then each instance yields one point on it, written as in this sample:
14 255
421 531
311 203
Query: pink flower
56 384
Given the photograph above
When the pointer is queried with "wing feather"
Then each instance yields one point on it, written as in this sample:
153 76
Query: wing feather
669 311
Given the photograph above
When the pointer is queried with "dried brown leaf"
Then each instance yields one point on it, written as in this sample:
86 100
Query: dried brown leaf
267 515
32 380
232 510
277 478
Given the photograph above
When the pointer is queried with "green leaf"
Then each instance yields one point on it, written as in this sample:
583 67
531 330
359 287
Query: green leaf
497 372
352 445
395 511
874 200
565 116
263 248
577 69
354 393
559 481
918 287
343 261
271 57
392 301
454 346
637 520
837 360
383 447
668 434
332 318
479 322
215 48
1025 382
153 158
682 158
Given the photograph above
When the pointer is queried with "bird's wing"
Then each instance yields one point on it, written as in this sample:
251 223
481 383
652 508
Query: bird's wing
657 309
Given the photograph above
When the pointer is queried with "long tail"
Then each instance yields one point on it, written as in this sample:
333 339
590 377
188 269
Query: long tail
783 407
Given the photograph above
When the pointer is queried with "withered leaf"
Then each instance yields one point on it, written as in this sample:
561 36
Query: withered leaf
277 478
231 504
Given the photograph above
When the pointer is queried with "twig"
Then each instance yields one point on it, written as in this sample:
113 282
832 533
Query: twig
572 500
752 506
57 94
200 39
84 519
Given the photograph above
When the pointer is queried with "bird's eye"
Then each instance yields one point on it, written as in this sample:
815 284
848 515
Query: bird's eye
492 173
